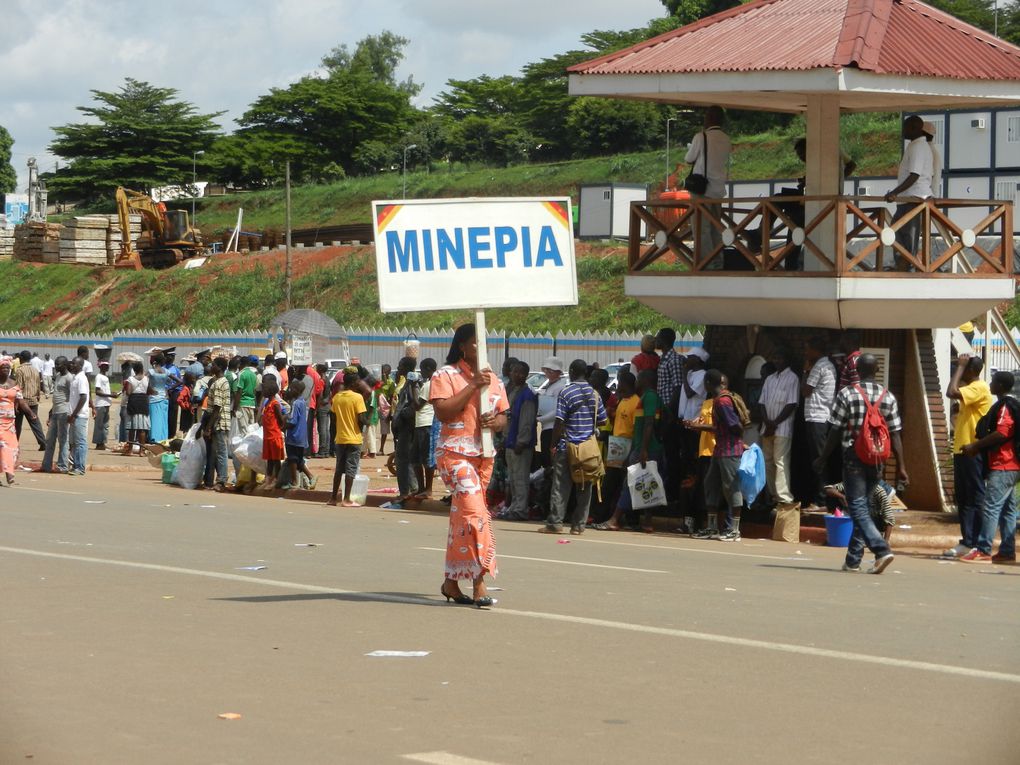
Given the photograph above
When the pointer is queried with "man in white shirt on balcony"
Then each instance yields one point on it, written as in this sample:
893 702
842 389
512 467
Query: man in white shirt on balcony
914 184
936 160
776 407
709 155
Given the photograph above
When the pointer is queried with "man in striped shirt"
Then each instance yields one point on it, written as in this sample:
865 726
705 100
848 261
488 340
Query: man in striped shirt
776 407
860 479
668 384
579 410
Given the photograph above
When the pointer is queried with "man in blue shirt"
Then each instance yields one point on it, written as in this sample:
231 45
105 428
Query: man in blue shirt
579 411
173 390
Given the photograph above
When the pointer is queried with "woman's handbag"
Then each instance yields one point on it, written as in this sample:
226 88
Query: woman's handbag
697 183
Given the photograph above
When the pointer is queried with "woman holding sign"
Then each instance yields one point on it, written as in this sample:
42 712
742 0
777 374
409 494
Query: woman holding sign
456 396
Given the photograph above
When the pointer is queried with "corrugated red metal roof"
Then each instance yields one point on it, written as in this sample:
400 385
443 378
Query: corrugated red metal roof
897 37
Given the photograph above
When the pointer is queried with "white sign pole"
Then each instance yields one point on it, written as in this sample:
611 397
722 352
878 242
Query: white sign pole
488 450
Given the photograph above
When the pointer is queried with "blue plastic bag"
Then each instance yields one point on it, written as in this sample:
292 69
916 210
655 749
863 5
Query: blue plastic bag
751 473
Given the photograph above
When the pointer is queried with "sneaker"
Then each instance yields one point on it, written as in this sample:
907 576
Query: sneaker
730 536
704 534
881 564
1001 558
852 569
547 529
956 552
976 556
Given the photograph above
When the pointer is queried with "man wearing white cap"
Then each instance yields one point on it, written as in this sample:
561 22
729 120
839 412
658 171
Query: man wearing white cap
552 368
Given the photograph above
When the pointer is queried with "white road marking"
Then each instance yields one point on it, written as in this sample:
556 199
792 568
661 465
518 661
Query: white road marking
48 491
690 549
765 645
445 758
565 562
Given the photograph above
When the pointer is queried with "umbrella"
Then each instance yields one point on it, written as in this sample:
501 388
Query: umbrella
308 320
126 356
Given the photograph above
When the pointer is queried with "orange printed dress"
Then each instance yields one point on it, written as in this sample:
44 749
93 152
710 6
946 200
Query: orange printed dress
470 546
9 397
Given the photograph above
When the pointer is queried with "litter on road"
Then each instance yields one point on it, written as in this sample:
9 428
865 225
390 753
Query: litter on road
229 716
399 654
251 568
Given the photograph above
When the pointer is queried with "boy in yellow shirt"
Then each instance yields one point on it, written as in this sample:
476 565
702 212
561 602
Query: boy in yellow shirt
351 416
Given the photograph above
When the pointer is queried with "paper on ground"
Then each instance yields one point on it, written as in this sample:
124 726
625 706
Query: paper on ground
399 654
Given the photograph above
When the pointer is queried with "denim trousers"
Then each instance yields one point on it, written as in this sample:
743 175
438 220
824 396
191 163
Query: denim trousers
859 481
562 485
221 450
999 511
407 484
969 478
79 436
56 442
100 430
322 423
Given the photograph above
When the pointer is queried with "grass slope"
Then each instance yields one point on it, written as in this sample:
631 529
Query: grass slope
240 293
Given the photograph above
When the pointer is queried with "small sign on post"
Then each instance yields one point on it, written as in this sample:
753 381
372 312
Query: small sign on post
438 254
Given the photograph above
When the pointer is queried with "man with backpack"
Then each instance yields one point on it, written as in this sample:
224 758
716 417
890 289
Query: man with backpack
865 422
402 427
997 434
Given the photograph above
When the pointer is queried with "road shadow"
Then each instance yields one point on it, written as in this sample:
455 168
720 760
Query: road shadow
402 598
819 569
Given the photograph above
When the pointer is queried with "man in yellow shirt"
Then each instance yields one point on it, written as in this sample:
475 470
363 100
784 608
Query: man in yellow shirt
351 416
974 398
706 446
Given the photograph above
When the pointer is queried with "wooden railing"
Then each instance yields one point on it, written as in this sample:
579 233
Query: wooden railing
819 236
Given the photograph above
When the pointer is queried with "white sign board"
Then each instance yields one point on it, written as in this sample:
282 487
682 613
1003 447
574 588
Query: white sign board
15 208
300 348
474 253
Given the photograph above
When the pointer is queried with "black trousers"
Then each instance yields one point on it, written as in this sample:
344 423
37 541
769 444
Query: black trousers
171 415
36 426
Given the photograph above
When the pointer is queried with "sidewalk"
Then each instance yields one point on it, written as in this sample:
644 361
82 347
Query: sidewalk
915 531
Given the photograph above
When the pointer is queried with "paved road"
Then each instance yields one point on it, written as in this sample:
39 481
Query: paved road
127 625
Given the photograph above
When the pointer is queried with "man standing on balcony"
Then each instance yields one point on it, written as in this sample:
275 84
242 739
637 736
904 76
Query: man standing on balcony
914 185
936 159
779 397
709 155
974 398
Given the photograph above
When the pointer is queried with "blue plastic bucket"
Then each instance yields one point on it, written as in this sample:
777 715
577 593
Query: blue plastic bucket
838 530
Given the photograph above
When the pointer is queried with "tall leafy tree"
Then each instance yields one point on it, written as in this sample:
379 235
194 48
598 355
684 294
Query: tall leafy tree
140 136
8 178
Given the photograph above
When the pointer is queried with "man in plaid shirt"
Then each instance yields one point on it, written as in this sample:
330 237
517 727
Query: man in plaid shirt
859 479
670 378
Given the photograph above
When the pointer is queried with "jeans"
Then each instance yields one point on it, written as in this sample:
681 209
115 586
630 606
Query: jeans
221 449
407 484
859 481
999 510
519 477
101 429
777 467
122 428
322 423
79 436
817 433
970 496
37 431
56 441
562 484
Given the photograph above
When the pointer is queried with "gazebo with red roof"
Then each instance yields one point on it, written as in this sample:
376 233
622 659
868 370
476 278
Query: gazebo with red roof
823 58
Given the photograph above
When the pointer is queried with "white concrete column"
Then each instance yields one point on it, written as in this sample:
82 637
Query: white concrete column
823 172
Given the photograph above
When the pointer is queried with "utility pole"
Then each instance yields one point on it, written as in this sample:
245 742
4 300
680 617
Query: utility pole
671 119
288 234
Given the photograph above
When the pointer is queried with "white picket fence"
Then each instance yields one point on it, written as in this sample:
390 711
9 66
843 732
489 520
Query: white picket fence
999 356
370 345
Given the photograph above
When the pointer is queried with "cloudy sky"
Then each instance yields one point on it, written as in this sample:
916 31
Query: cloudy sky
222 54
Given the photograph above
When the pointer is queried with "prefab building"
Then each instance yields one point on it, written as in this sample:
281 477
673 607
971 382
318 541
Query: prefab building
604 209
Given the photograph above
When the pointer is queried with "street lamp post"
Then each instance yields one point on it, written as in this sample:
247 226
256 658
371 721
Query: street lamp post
671 119
406 149
194 184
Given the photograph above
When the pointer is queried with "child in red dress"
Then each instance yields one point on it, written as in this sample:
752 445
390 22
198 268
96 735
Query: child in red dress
273 422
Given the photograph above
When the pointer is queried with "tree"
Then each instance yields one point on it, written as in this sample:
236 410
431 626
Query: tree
321 121
612 126
8 178
142 136
692 10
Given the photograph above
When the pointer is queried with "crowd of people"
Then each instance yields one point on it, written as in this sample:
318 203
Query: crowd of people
670 409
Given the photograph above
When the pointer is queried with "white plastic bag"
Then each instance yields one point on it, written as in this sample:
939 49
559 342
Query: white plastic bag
645 483
617 451
248 449
191 468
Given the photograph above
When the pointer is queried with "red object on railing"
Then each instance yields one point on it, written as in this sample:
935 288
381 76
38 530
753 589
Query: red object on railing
671 215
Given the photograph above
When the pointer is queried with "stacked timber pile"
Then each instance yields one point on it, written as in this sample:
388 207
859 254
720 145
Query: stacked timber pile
83 240
37 242
114 237
6 241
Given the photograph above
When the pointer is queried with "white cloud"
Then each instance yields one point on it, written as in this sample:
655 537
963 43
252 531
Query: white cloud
223 54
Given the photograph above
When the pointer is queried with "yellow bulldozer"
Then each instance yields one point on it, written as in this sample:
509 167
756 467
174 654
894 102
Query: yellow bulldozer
167 236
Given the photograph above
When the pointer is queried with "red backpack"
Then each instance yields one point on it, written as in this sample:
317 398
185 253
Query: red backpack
873 445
